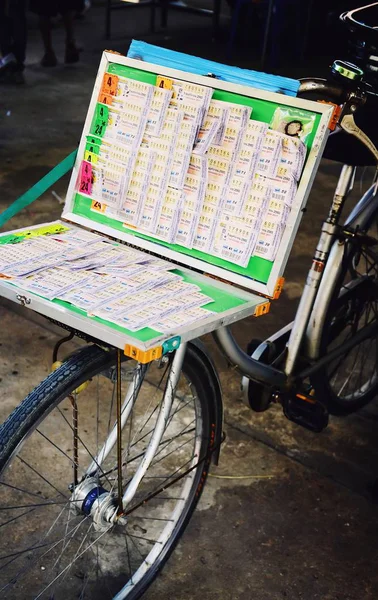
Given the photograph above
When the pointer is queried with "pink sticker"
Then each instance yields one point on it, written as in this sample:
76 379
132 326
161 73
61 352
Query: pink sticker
85 181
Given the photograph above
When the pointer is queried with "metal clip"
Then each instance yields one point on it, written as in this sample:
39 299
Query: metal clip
23 300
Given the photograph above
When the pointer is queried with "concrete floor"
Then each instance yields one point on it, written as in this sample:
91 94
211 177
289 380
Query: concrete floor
310 530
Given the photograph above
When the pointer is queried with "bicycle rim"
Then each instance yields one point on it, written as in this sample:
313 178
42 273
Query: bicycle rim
49 548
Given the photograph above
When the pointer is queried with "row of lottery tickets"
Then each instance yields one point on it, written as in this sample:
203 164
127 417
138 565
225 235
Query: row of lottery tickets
105 279
190 170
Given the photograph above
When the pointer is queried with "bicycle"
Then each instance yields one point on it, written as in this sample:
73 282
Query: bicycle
112 518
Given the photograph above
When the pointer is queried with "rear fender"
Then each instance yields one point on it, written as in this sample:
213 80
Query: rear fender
199 356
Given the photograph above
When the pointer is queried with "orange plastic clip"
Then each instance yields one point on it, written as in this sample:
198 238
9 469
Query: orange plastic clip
262 309
143 356
335 115
279 287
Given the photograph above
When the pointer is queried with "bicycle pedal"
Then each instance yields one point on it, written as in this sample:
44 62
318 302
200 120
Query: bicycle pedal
306 411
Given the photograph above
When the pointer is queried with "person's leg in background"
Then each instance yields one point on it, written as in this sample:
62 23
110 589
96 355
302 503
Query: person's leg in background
13 34
45 26
46 9
68 11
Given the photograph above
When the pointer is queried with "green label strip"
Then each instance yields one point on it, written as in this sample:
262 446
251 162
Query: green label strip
100 120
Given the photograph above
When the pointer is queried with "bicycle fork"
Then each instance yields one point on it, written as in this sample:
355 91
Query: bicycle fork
89 497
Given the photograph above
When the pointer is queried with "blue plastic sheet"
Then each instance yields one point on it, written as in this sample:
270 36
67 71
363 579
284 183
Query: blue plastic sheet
201 66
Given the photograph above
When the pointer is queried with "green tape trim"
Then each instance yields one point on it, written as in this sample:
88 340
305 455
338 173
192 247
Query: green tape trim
39 188
131 73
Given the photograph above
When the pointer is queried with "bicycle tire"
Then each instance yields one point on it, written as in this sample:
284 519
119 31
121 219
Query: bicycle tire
33 419
353 303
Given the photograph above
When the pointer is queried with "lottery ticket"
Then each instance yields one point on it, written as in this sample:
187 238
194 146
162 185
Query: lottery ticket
250 147
182 154
74 253
291 160
206 135
169 216
234 239
91 285
269 154
220 153
269 238
136 194
238 115
232 139
158 111
214 195
120 271
131 92
89 298
151 210
128 90
284 191
236 193
219 170
220 111
194 195
254 207
277 210
127 304
207 221
52 282
28 255
77 237
186 227
155 264
126 127
184 91
198 166
97 148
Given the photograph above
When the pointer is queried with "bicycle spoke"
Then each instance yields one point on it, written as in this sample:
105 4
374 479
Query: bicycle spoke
81 441
41 476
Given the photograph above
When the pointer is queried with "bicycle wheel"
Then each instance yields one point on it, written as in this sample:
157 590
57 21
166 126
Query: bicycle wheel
351 381
50 544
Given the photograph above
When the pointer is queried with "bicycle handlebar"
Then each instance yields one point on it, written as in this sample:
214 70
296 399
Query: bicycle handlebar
323 87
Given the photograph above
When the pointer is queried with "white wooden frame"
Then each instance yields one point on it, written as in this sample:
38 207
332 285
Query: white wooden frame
304 187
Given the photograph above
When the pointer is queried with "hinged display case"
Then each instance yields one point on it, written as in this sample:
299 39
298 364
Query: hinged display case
200 173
